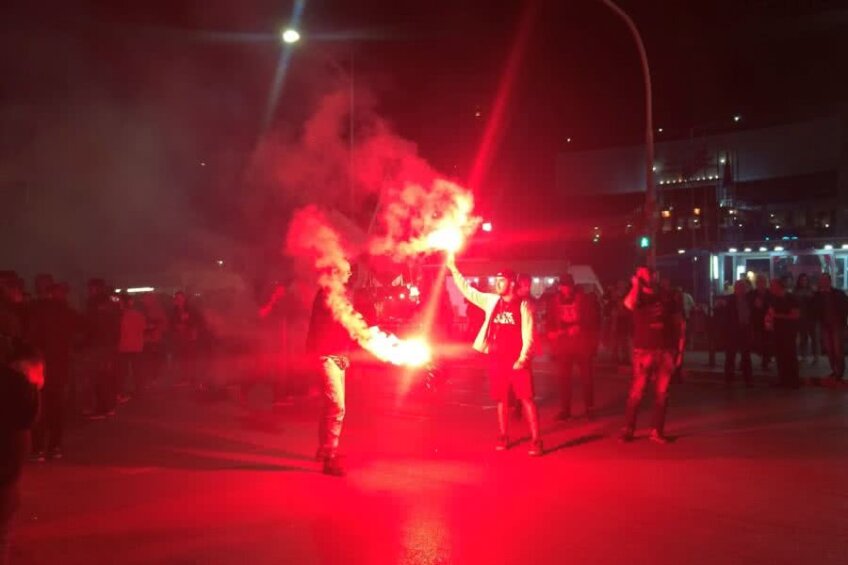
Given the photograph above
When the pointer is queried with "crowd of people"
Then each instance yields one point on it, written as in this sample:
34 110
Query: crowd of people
784 320
96 358
119 344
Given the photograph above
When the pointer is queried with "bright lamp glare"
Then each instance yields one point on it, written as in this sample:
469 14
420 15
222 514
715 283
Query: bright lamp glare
290 36
140 289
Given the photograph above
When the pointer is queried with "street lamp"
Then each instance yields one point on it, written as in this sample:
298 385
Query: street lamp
290 36
650 189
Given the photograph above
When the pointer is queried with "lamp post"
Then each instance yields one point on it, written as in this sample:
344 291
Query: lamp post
650 189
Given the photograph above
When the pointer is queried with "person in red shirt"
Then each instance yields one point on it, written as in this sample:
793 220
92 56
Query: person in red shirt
130 346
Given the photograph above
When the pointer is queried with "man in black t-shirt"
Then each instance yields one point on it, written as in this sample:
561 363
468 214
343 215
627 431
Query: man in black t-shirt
782 319
760 300
568 327
830 310
657 325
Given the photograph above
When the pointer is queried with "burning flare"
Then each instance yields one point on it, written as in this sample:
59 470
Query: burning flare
311 235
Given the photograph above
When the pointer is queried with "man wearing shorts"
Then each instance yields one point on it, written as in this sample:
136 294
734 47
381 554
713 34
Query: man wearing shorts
506 336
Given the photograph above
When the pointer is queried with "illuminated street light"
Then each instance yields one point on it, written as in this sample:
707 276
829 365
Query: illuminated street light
487 226
290 36
140 289
737 118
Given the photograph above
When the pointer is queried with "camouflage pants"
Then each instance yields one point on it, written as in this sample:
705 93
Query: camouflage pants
333 390
650 364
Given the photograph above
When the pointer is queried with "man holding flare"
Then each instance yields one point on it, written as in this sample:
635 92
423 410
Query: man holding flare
506 337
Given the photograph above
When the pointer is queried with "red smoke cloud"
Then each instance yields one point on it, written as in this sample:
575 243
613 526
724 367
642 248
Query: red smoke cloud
414 204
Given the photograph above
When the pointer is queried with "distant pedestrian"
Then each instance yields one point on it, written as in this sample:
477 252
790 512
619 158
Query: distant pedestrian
621 325
737 333
830 310
760 299
185 329
807 342
130 348
103 329
53 329
568 328
782 320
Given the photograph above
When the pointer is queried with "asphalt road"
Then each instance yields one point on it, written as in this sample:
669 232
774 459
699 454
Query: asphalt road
753 476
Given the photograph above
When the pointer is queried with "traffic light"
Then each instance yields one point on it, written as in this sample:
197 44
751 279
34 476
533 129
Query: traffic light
644 242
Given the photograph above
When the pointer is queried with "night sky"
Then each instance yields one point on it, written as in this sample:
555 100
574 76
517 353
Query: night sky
194 77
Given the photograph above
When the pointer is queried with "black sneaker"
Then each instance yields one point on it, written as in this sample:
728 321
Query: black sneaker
626 436
536 449
333 467
502 444
658 437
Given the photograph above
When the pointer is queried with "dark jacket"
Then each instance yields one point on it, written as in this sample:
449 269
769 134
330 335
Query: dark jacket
103 323
838 312
51 327
18 410
760 304
326 336
729 307
11 328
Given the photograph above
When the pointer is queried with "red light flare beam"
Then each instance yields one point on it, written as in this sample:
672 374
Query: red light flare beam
492 133
427 317
650 189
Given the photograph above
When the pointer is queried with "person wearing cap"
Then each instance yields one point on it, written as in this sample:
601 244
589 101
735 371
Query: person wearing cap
657 323
568 327
506 337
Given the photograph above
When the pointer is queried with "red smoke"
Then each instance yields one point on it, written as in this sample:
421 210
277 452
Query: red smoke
414 204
